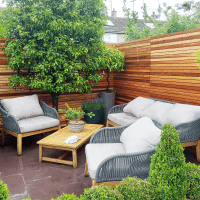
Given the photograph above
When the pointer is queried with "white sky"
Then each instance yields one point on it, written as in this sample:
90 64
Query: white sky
152 5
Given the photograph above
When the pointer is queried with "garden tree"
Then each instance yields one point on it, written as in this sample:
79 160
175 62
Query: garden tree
174 22
54 45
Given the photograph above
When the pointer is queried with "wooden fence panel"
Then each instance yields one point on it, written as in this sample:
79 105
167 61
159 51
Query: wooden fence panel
135 80
161 67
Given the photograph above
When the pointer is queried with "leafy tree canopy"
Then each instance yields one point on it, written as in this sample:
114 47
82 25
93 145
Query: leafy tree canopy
174 22
54 45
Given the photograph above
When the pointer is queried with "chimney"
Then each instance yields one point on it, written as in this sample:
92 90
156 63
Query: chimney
114 13
154 16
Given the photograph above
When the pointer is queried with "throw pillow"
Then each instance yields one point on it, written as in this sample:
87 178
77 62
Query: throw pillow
138 105
23 107
141 135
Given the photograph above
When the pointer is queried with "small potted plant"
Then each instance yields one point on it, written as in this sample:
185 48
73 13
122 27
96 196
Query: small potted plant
94 105
75 115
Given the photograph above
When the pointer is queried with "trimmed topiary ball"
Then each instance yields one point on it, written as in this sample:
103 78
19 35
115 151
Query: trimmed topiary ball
167 170
101 192
67 197
135 188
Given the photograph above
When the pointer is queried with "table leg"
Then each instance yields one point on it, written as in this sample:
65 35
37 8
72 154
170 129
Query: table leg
40 153
74 153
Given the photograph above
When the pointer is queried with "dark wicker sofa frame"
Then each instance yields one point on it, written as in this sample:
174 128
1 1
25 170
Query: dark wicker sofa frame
114 168
189 133
11 125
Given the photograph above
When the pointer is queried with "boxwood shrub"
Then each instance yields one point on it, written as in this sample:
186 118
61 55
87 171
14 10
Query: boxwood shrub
3 191
193 177
101 192
67 197
134 188
167 170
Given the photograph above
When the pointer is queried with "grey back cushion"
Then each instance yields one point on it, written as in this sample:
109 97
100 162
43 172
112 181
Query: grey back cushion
157 110
137 105
23 107
181 113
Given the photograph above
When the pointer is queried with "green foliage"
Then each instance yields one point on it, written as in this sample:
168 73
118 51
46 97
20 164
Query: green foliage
74 113
112 59
135 188
100 193
67 197
167 170
1 28
56 45
3 191
193 177
93 104
174 21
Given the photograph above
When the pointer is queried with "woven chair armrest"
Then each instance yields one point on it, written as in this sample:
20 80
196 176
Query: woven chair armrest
9 121
48 110
108 134
117 109
189 131
117 167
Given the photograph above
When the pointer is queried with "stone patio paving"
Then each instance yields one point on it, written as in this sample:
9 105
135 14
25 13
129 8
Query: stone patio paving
27 178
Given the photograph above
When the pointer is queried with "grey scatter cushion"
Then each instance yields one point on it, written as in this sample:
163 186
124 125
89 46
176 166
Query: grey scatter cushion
182 113
157 110
138 105
141 135
23 107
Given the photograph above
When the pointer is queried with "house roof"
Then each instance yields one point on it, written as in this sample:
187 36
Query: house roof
118 24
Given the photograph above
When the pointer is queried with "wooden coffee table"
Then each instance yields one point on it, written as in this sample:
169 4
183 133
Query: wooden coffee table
56 141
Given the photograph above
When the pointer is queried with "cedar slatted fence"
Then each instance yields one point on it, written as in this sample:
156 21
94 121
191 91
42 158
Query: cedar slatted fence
161 67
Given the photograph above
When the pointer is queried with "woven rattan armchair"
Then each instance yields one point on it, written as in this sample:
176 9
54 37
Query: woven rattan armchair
13 127
116 167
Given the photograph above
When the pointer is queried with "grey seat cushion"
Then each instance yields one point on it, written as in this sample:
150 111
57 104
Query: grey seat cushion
23 107
96 153
37 123
122 118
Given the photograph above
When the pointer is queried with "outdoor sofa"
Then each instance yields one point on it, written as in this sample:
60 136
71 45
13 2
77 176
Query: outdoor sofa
26 116
185 117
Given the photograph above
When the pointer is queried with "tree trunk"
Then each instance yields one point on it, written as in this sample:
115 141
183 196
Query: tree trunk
108 79
55 100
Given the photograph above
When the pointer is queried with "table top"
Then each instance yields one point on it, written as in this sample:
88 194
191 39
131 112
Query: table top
57 139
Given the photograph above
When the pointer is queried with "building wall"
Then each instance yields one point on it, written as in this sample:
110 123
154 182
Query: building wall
110 38
120 38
